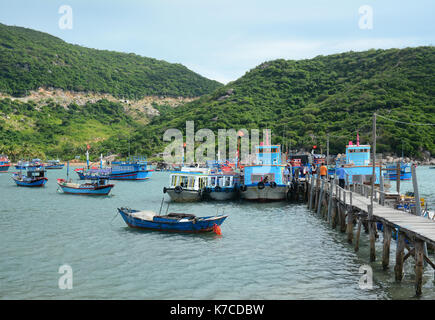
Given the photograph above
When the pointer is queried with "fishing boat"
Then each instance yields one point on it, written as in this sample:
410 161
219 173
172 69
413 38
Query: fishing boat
97 188
188 184
24 165
405 171
4 163
223 186
134 168
54 164
358 165
175 222
33 177
265 180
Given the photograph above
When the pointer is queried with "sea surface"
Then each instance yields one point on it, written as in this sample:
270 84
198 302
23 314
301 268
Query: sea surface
266 250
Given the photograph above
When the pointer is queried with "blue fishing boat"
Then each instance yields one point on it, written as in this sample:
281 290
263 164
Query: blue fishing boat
358 165
405 171
265 180
24 165
54 164
175 222
134 168
33 177
98 188
4 163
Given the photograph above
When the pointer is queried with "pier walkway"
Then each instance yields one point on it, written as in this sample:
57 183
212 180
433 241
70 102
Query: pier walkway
351 207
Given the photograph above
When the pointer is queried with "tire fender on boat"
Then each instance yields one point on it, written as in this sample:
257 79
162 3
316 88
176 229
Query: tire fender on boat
260 185
273 184
178 189
243 188
217 188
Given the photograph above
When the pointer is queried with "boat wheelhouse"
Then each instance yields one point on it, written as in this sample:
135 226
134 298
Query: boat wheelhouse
24 165
265 180
32 177
4 163
187 185
223 185
358 165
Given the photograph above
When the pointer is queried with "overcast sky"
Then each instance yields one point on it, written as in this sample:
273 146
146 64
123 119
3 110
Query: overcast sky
222 39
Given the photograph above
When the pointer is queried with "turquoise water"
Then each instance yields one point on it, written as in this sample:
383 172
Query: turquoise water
266 251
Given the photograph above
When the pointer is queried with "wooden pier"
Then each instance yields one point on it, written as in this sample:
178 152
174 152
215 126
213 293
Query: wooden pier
350 208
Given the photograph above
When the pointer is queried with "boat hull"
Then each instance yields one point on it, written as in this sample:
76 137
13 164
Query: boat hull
60 166
266 194
222 195
102 191
403 176
185 195
4 168
201 225
35 183
132 175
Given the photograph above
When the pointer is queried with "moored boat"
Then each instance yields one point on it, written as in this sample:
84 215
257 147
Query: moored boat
187 185
4 163
24 165
222 185
175 222
265 180
54 164
98 188
33 177
405 171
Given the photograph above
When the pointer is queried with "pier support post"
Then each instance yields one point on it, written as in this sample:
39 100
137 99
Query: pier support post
358 234
311 192
419 258
320 200
331 190
386 249
342 218
349 227
372 234
334 210
400 252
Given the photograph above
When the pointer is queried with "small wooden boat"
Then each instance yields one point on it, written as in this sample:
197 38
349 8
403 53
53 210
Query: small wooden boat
34 177
4 163
98 188
53 164
175 222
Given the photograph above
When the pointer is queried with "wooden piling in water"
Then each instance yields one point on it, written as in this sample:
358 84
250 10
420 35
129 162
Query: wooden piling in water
342 218
358 234
349 227
372 234
386 248
400 252
419 258
321 195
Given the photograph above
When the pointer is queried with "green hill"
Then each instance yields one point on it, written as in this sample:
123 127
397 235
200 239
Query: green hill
303 101
31 59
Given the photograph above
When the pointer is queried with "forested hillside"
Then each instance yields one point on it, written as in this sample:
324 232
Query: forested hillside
31 59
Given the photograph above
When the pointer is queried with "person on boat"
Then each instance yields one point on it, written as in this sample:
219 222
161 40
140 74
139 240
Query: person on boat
287 173
323 172
313 169
341 174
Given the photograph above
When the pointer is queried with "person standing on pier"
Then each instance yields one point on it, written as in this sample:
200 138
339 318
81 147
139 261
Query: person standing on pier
341 174
324 172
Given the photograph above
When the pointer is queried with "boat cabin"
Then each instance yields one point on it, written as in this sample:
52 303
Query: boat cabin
193 181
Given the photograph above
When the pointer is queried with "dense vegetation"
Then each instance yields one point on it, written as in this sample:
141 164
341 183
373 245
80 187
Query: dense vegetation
303 101
31 59
300 101
28 130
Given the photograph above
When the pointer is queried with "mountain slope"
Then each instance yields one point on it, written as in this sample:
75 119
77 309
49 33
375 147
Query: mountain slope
302 101
31 59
